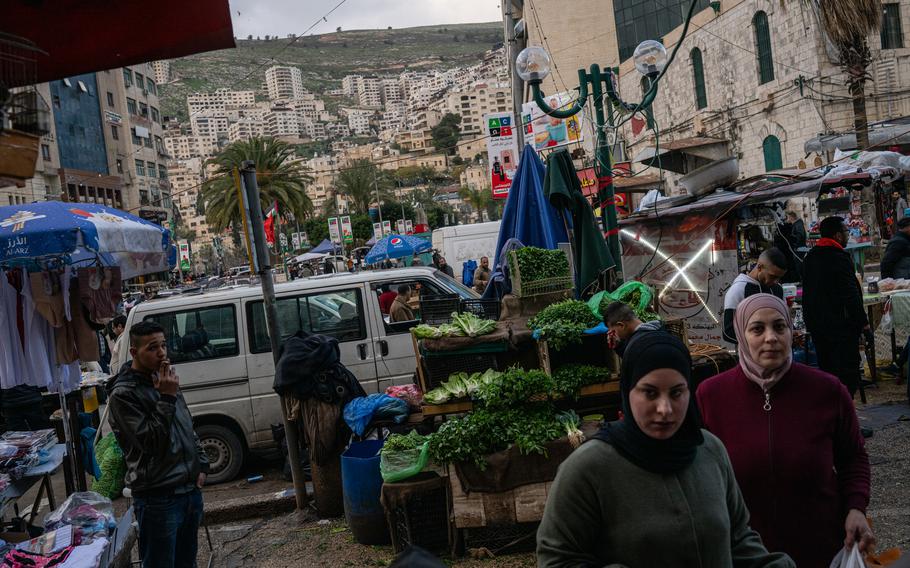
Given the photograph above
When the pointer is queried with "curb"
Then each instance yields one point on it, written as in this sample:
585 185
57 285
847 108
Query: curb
262 505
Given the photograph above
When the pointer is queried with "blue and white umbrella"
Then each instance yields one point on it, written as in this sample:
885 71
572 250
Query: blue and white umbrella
84 232
396 246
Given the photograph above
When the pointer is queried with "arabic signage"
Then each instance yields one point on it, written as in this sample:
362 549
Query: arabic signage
548 131
502 152
347 231
334 230
184 256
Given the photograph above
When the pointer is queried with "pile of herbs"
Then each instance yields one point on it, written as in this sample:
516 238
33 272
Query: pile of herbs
463 325
403 442
513 388
538 264
485 431
460 385
563 323
569 379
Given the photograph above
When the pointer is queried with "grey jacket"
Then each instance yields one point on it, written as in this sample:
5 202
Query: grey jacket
162 452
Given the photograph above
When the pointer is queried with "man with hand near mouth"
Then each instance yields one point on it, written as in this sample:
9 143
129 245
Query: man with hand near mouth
166 465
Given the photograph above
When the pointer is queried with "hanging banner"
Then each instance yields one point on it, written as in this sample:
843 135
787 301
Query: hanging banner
377 231
295 240
547 131
399 226
347 231
408 226
304 239
502 152
334 230
184 256
386 228
283 242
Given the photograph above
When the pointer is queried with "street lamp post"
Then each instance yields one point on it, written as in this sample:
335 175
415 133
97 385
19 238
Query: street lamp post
533 65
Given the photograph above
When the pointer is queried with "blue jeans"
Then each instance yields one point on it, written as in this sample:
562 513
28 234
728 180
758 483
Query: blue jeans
167 529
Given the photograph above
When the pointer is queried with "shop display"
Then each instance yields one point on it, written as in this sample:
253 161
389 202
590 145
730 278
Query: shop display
463 325
563 323
638 296
21 451
460 385
403 456
538 264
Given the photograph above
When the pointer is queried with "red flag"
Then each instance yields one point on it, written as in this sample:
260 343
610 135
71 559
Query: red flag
638 124
270 219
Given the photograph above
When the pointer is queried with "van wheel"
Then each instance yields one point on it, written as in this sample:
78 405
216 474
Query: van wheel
224 450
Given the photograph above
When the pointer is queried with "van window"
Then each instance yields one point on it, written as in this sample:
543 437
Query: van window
386 292
199 334
336 314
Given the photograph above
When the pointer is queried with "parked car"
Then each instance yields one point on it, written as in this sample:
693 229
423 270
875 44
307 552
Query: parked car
219 344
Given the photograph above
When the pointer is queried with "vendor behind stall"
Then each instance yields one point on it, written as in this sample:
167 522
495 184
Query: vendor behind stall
624 325
400 310
896 260
762 279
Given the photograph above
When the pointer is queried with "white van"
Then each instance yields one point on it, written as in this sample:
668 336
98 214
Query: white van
466 242
226 373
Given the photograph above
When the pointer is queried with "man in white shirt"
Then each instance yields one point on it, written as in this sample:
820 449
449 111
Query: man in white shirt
762 279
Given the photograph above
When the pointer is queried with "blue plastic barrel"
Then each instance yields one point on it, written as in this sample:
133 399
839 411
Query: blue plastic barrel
362 484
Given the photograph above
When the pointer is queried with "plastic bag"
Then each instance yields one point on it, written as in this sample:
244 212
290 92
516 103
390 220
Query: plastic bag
361 411
91 513
852 559
113 468
642 308
398 466
887 323
408 393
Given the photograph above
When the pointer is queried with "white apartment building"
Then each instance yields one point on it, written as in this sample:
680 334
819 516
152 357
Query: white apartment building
370 94
359 121
284 82
337 130
45 184
186 180
209 124
245 128
187 146
312 129
162 71
282 121
219 100
350 85
391 91
473 104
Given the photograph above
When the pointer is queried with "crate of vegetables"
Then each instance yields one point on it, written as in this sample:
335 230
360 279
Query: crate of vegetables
535 271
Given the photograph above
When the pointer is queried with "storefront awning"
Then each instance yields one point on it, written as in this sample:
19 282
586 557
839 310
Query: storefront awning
75 36
882 136
683 155
637 184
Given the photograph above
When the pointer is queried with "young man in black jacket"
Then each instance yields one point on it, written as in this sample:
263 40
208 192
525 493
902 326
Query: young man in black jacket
166 465
833 304
896 260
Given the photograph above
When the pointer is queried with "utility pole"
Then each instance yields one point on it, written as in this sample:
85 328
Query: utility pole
257 228
515 41
376 189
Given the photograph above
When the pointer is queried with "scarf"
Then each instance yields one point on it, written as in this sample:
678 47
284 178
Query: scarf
765 378
651 351
826 242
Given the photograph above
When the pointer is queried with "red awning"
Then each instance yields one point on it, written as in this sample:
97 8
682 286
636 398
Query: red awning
76 36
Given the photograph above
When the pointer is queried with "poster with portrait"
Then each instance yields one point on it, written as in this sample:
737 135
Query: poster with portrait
547 131
386 228
334 230
377 231
347 230
502 152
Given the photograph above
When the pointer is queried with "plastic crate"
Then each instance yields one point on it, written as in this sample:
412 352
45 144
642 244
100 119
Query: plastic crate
439 366
485 309
438 309
504 539
419 515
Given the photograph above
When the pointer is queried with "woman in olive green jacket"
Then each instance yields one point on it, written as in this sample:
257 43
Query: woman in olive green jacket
652 489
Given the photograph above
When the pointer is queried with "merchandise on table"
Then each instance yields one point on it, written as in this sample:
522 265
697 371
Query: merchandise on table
90 513
563 323
21 451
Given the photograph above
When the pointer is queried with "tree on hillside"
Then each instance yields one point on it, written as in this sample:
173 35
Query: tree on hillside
446 133
478 199
280 179
848 23
359 182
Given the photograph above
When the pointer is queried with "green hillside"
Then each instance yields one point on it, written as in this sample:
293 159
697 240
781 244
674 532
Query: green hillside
325 59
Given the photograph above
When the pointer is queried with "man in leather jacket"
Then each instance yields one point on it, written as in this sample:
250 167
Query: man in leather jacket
166 466
896 260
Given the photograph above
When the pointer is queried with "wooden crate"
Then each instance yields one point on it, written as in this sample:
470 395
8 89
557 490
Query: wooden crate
678 328
593 350
462 406
524 504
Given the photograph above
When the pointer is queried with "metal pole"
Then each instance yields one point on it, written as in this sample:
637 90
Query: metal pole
257 228
514 45
376 189
603 168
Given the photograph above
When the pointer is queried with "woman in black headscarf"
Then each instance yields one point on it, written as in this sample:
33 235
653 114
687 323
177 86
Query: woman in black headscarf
653 489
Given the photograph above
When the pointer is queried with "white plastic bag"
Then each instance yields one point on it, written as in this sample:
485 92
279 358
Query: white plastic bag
887 323
852 559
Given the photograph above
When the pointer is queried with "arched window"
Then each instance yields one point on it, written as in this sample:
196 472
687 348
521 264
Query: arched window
771 149
698 74
763 48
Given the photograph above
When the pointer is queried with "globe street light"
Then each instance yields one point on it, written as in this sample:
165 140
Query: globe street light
650 58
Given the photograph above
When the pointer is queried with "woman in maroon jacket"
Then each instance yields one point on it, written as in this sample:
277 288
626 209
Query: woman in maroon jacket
794 440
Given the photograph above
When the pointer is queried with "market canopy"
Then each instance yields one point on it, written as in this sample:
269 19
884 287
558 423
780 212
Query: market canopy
84 232
310 256
71 37
326 247
396 246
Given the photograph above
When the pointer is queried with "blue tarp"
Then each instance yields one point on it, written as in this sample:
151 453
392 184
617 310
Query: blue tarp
326 247
527 216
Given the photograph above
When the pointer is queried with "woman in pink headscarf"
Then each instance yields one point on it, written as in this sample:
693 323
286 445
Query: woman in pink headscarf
794 440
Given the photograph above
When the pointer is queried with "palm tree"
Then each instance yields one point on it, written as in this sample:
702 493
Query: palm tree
478 199
848 23
281 179
359 183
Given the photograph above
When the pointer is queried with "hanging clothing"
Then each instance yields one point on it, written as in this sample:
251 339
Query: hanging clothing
65 340
85 336
99 290
68 376
12 359
40 357
49 300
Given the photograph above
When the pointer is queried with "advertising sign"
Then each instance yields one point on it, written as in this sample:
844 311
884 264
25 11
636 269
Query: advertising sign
408 226
184 256
347 231
399 226
547 131
386 228
304 239
377 231
295 240
283 241
502 152
334 230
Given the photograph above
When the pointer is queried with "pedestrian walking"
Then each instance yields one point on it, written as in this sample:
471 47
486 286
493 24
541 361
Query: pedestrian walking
444 267
763 278
900 206
482 275
793 438
652 489
833 304
166 465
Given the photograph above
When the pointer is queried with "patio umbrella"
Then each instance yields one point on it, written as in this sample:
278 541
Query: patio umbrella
527 217
563 189
83 233
396 246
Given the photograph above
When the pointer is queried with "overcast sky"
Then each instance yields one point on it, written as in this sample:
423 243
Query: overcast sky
281 17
